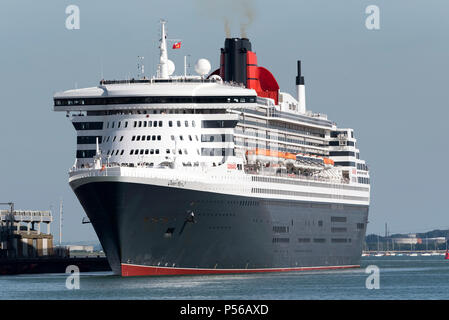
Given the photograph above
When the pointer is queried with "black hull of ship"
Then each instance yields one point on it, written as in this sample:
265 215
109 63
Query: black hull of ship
148 230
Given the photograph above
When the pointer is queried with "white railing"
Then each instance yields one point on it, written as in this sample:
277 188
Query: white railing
26 216
138 171
298 177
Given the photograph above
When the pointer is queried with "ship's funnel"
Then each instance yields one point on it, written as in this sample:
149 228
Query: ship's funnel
301 90
234 60
239 64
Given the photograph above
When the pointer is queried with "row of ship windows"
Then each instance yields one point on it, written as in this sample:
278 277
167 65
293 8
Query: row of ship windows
287 192
86 139
315 240
204 138
344 154
278 137
220 228
145 124
154 111
306 194
335 134
91 153
301 183
277 229
204 124
363 180
181 138
148 124
285 229
82 154
212 152
153 99
289 203
92 139
362 166
208 138
341 154
341 143
344 163
144 151
204 151
148 138
284 127
296 128
216 214
293 149
281 229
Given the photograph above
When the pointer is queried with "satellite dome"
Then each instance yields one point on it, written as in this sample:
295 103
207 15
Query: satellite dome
202 67
216 78
171 67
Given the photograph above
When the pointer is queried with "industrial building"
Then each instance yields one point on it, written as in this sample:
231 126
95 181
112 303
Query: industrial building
25 233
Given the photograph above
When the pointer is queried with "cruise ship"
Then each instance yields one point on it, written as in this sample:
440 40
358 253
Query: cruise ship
219 172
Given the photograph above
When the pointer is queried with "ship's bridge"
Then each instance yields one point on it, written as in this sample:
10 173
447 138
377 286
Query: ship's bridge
110 95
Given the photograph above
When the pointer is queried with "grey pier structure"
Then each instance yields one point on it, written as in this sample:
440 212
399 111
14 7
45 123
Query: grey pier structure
26 246
21 234
216 173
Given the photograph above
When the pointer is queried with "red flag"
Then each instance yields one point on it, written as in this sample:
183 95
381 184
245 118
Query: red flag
177 45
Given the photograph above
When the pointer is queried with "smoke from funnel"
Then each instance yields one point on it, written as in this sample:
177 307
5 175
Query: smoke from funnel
227 28
249 15
232 12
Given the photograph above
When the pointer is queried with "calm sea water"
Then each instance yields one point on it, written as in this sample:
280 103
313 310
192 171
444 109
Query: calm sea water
400 278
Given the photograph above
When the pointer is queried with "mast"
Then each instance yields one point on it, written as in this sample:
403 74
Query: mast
60 222
301 90
163 63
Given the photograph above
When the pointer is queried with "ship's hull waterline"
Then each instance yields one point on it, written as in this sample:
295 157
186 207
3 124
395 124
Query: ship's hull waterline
146 229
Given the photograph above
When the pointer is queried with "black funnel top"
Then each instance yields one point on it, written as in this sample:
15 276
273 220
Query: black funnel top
299 78
235 59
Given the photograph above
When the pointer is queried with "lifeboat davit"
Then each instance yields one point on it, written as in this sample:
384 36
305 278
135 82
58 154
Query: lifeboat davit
273 156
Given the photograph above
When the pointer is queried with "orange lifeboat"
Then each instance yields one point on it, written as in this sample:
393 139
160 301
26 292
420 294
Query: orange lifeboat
274 156
268 155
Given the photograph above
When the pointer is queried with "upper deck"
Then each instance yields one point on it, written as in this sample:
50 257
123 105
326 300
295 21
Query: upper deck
143 94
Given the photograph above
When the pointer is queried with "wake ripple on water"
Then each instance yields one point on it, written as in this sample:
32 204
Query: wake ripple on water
400 278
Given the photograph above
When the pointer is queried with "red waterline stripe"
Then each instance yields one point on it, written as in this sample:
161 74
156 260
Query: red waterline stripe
130 270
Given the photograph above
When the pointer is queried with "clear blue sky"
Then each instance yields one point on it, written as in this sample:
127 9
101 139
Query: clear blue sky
390 85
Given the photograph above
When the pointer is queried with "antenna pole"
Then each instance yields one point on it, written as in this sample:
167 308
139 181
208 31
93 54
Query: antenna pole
60 222
163 65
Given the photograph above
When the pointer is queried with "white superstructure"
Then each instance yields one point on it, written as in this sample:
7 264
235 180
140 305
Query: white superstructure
209 134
